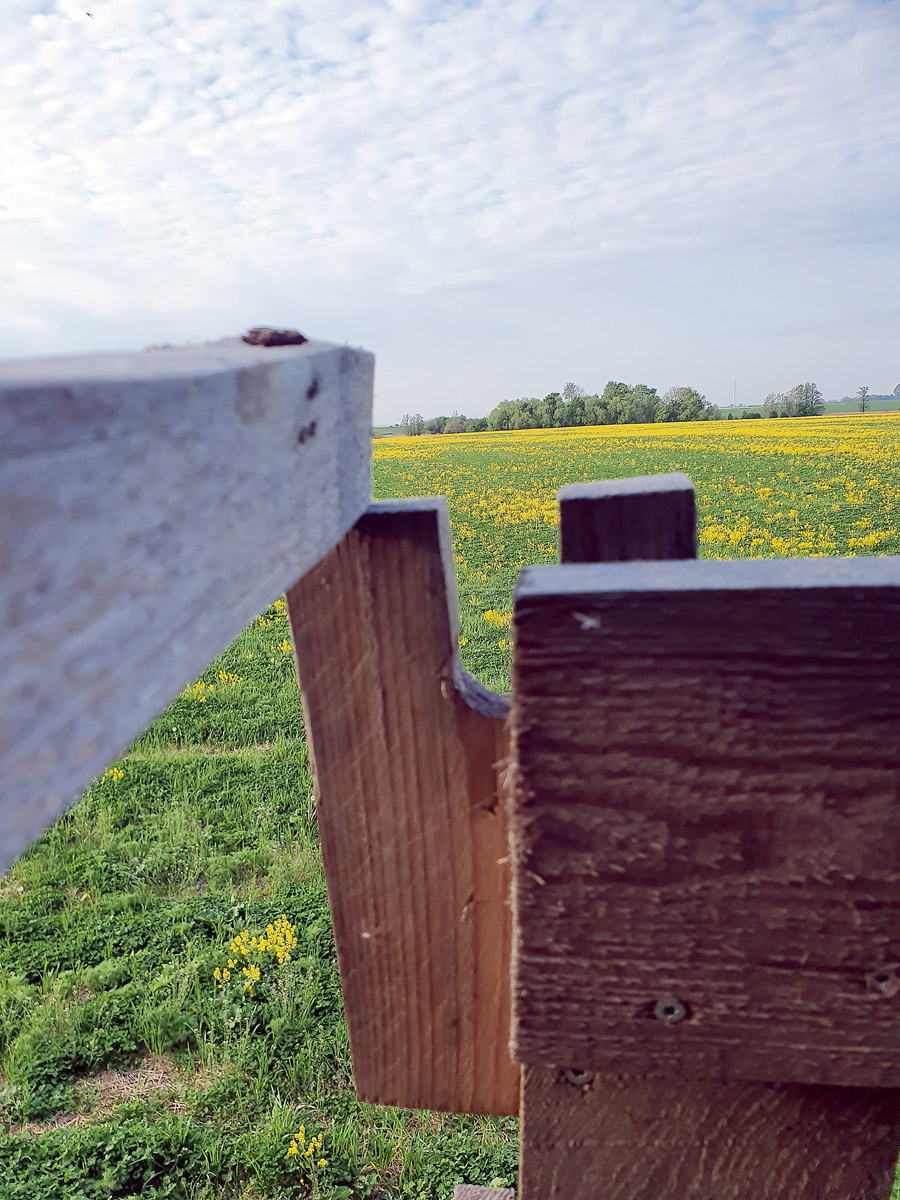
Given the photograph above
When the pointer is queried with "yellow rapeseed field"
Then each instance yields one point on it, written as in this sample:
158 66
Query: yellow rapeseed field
800 487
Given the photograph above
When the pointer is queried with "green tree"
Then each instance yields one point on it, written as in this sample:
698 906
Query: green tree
805 400
773 403
576 412
641 406
614 398
597 411
501 417
683 404
551 411
863 403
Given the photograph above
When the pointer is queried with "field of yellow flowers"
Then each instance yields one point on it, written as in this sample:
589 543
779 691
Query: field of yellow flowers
776 488
170 1017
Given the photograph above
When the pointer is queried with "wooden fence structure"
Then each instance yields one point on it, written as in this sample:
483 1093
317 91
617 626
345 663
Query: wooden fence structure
651 901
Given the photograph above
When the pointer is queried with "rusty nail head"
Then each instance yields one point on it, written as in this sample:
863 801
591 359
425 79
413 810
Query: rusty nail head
266 335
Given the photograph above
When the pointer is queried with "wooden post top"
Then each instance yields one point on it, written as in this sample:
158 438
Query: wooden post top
152 504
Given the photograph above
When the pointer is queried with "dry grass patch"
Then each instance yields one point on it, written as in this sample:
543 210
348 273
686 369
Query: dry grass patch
98 1096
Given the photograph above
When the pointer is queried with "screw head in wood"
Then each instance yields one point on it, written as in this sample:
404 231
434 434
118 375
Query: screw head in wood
884 980
579 1078
669 1010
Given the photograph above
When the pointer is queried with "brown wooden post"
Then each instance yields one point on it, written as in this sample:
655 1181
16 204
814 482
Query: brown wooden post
689 926
409 755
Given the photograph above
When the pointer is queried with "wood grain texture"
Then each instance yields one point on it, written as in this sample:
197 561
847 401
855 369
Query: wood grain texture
408 754
677 1137
709 759
150 505
657 1139
465 1191
618 520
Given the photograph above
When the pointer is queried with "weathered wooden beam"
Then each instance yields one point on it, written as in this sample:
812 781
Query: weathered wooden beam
671 1136
674 1139
408 756
152 503
618 520
710 757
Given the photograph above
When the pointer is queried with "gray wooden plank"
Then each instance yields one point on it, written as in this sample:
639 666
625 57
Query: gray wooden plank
150 505
706 828
708 575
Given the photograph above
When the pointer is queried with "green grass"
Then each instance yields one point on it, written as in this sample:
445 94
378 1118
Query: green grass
111 928
832 407
113 924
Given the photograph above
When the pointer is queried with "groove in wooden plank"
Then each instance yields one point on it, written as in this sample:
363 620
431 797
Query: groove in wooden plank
717 773
658 1139
408 756
150 505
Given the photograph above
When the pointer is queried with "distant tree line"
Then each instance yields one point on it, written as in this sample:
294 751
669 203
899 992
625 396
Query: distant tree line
804 400
619 404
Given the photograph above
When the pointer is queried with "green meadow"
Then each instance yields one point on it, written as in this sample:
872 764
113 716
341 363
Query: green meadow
170 1014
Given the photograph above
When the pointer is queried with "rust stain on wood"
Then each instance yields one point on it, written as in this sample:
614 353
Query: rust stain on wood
266 335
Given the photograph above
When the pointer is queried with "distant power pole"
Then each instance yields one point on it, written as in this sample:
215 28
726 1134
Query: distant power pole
733 393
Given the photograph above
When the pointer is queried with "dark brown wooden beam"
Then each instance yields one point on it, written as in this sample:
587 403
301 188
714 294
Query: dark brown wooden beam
619 520
588 1134
715 772
665 1139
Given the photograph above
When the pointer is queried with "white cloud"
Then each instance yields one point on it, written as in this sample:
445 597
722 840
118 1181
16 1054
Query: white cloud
192 159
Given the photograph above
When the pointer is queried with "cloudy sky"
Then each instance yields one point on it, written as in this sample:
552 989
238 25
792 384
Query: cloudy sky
496 196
